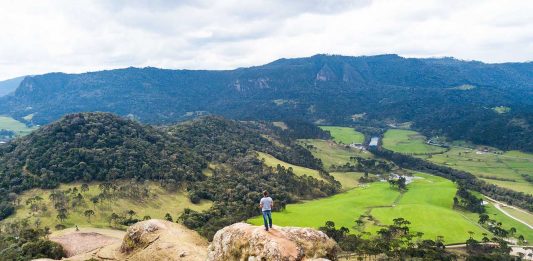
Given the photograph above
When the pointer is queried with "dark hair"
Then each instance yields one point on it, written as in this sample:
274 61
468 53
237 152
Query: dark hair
265 193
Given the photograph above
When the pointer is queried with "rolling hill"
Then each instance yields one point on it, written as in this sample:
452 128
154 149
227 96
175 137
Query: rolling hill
442 96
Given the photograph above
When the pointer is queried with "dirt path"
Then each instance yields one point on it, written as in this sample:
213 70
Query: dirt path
498 204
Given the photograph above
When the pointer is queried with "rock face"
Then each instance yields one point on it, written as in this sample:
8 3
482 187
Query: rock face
162 240
242 241
153 240
158 240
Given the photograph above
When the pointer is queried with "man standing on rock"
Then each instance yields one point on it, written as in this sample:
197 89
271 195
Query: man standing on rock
266 204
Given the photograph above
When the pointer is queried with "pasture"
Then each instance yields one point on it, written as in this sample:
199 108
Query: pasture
348 180
157 206
345 135
332 153
503 169
427 205
8 123
271 161
408 142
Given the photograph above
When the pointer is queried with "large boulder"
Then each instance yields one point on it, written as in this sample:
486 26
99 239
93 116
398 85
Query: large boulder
242 241
154 240
162 240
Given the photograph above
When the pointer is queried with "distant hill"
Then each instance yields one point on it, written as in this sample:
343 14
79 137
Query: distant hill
9 86
443 96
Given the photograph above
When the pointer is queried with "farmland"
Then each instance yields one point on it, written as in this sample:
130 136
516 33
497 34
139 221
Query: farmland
505 169
408 142
332 153
8 123
427 204
345 135
300 171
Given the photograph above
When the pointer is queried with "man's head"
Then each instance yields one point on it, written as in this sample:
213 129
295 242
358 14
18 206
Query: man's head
265 193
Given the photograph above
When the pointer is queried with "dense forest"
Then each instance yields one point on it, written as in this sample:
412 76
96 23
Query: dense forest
446 96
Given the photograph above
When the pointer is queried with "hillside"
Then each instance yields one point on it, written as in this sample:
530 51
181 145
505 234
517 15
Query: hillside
124 171
9 86
439 96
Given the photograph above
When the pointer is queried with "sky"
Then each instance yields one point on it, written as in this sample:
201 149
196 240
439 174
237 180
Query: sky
42 36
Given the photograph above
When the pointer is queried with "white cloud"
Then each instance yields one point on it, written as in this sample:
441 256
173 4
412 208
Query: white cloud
77 36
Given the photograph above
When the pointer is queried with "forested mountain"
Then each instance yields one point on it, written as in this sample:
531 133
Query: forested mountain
9 86
94 147
219 140
440 96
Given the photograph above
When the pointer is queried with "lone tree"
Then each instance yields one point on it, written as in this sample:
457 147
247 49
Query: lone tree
84 187
168 217
62 215
88 213
95 201
131 213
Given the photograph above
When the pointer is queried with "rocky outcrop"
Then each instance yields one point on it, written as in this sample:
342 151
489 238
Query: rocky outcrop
153 240
162 240
242 241
158 240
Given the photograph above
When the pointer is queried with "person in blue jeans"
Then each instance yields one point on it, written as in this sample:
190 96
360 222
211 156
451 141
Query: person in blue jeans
266 204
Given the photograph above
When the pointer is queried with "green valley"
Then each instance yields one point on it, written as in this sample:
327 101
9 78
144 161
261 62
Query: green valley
345 135
427 204
10 124
409 142
505 169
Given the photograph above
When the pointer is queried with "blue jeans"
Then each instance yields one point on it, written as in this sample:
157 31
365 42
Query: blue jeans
267 217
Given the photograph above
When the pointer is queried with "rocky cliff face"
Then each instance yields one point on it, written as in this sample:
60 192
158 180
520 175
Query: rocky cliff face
242 241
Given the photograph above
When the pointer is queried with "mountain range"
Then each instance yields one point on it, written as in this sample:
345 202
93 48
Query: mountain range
469 100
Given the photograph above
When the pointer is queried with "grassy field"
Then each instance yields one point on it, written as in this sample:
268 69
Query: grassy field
506 221
348 180
427 204
524 216
344 135
163 202
332 153
8 123
409 142
503 169
298 170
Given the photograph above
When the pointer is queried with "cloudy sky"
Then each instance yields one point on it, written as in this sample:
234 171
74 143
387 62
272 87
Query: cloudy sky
42 36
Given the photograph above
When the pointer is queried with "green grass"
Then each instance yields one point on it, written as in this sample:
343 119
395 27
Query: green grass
408 142
427 204
298 170
506 221
344 135
524 216
156 207
332 153
8 123
348 180
488 166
